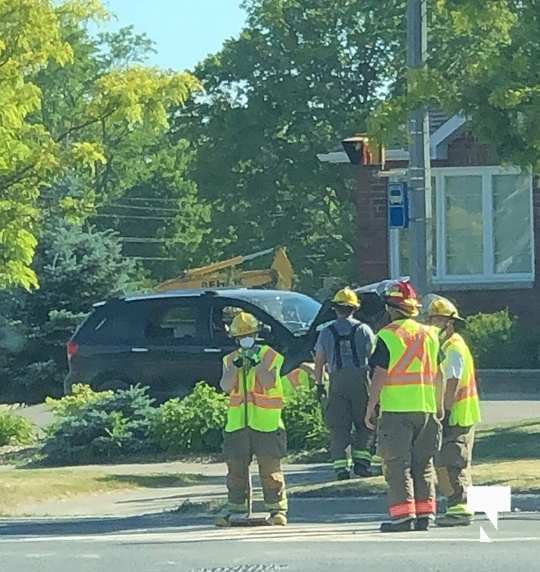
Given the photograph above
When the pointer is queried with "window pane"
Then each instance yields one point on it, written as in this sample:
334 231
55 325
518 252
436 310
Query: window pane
178 324
464 226
512 223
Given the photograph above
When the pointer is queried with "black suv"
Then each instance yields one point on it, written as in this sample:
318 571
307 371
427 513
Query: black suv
171 340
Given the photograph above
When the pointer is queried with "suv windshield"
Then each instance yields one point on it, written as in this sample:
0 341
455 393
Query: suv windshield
295 311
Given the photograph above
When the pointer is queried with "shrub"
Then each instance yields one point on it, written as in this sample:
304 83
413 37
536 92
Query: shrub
92 428
15 430
81 396
304 420
497 341
192 424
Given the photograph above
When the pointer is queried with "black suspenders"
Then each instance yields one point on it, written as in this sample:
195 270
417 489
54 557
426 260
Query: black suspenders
351 338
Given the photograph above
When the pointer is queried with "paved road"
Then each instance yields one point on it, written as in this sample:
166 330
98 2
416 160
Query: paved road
344 542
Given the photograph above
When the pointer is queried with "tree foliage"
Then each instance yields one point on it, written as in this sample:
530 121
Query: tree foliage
76 268
53 129
483 62
301 76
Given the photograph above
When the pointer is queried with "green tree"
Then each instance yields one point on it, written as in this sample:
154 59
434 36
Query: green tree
70 134
301 76
144 192
76 267
483 62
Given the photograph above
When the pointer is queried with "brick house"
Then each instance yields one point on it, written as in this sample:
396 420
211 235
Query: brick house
485 215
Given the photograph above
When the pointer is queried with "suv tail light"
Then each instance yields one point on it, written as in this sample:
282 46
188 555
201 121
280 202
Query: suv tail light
72 349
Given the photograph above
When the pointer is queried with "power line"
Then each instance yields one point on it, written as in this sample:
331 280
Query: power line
163 258
149 199
146 240
133 207
145 199
133 217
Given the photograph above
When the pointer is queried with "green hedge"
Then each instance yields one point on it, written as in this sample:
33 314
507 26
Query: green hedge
94 427
15 430
498 341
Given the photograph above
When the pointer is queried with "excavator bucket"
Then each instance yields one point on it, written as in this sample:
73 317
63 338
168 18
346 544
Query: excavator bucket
284 270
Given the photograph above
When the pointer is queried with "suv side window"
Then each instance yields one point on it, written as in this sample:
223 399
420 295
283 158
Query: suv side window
175 324
222 316
112 324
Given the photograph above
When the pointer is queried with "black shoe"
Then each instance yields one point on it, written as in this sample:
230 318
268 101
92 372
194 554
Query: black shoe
405 526
422 523
343 475
362 469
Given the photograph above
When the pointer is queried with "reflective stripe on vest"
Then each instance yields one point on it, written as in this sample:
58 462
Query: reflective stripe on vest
251 404
412 370
466 409
294 381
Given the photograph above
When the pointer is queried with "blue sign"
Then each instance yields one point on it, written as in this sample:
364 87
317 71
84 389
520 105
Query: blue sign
398 205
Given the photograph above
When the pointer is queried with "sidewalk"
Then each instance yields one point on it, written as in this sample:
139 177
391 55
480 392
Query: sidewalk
153 500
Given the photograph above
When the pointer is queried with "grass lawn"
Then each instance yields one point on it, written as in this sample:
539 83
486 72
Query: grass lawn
27 486
506 454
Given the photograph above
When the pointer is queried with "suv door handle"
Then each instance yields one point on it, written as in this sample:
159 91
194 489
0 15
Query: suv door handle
212 350
140 350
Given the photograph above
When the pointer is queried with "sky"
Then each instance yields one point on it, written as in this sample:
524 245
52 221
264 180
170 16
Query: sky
184 31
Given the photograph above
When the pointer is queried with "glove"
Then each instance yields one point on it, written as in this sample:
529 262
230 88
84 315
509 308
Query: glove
249 360
321 391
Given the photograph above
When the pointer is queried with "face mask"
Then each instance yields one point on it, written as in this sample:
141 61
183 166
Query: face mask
247 343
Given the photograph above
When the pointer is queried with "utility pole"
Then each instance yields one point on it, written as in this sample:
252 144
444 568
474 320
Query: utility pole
419 155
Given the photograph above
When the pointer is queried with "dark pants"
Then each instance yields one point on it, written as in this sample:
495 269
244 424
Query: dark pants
345 412
407 444
239 447
453 463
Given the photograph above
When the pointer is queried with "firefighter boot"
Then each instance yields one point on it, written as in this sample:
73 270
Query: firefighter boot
278 518
343 475
362 469
422 523
448 520
402 526
225 517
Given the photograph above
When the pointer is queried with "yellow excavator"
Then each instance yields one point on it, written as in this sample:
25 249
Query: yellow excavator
228 273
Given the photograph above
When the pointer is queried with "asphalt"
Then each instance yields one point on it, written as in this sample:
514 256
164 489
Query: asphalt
321 536
143 534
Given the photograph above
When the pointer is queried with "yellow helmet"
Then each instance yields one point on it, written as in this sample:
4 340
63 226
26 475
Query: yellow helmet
244 324
442 307
346 297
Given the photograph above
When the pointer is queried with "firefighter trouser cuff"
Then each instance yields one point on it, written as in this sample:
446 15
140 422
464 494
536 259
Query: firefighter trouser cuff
341 465
361 455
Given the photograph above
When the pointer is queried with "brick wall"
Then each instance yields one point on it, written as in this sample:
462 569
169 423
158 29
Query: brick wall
373 254
371 218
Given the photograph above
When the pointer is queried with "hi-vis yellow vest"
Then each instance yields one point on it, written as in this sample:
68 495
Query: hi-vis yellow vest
250 404
294 381
412 371
466 409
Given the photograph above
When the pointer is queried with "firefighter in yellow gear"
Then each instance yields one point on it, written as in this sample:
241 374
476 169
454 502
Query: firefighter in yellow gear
462 413
405 364
252 379
343 348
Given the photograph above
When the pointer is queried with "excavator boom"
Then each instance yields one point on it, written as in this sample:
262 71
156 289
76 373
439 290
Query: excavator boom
226 273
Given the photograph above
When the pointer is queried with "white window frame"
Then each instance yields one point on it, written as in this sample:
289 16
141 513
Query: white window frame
488 277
